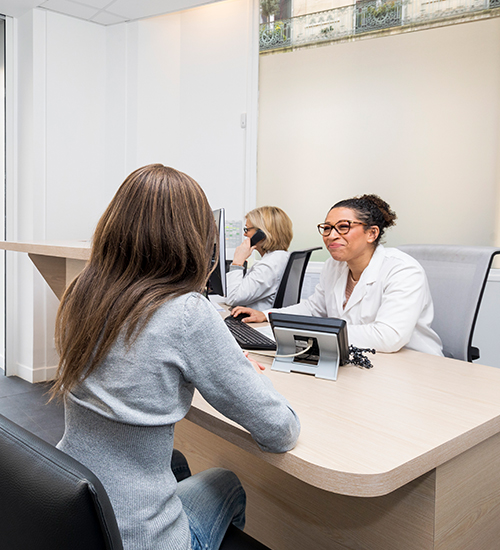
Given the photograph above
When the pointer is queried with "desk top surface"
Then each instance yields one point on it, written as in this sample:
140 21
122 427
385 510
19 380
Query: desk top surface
373 431
73 250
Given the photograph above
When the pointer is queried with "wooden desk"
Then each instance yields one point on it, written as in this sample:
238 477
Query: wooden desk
403 456
400 457
58 262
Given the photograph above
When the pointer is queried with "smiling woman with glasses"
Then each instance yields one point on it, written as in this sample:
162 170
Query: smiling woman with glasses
381 292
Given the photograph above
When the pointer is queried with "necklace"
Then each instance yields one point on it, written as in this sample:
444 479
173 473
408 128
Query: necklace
351 283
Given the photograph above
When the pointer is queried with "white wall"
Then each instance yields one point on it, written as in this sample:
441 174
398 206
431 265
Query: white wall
183 81
169 89
94 103
189 80
413 117
75 72
59 175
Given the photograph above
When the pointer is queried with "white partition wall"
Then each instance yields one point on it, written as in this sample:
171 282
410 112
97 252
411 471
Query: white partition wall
94 103
170 89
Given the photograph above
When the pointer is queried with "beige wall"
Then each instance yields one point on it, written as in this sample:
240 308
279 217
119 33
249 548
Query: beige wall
413 117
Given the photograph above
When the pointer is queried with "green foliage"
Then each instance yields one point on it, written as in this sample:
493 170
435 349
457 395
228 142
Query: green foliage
383 10
269 7
279 28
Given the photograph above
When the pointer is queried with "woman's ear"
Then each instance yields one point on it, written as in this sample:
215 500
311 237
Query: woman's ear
373 233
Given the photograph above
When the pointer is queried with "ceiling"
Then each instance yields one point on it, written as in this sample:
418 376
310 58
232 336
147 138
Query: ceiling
104 12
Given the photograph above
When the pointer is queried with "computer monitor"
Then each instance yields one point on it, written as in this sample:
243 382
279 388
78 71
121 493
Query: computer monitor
217 280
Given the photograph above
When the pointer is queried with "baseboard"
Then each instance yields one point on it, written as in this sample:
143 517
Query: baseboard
41 374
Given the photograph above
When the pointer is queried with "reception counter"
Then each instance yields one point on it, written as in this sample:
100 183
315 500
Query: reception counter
403 456
58 262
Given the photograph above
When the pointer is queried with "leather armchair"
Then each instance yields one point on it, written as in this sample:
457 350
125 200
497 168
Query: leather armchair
50 501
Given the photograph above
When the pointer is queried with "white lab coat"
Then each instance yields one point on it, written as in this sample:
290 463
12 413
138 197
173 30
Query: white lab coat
390 306
257 289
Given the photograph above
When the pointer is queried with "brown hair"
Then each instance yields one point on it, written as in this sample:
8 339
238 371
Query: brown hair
154 241
276 225
372 210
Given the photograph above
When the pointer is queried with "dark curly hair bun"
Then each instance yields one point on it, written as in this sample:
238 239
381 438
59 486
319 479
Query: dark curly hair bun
372 210
388 214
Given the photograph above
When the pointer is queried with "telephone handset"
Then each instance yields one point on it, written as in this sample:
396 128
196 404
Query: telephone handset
258 236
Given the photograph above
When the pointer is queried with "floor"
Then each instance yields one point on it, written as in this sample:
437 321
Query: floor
26 405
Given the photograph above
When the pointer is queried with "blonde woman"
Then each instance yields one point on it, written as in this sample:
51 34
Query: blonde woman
257 288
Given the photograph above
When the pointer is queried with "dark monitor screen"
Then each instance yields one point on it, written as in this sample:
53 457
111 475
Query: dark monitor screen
217 280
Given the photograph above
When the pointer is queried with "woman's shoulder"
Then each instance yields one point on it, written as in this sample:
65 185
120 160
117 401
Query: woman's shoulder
275 254
275 258
185 304
397 265
397 256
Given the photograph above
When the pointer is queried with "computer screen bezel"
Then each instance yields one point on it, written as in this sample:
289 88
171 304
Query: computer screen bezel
217 283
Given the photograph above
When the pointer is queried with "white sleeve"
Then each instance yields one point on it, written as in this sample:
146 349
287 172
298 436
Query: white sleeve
403 300
261 281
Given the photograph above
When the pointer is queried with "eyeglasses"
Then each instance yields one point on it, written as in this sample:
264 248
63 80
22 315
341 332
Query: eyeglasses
247 229
342 227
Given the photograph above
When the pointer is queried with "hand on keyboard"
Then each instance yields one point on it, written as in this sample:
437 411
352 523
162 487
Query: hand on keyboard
248 315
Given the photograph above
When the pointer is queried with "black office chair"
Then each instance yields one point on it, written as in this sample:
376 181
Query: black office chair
290 287
457 276
49 501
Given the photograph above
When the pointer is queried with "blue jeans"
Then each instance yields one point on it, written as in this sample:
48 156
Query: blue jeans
212 500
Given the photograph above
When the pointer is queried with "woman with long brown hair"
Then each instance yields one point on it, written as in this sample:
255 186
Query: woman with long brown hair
136 337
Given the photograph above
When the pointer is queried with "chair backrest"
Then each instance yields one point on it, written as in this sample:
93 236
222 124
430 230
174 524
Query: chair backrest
49 500
290 287
457 276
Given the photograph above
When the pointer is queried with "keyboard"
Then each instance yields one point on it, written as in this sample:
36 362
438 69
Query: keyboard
247 337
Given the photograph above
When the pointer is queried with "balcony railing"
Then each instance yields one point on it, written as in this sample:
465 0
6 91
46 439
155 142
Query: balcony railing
373 15
364 16
276 35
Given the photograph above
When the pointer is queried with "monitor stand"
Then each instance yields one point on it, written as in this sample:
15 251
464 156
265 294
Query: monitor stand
322 359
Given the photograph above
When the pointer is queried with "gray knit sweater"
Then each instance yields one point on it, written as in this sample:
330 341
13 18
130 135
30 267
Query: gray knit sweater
120 420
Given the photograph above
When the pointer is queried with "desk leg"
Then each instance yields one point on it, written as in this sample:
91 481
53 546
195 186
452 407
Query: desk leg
287 514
